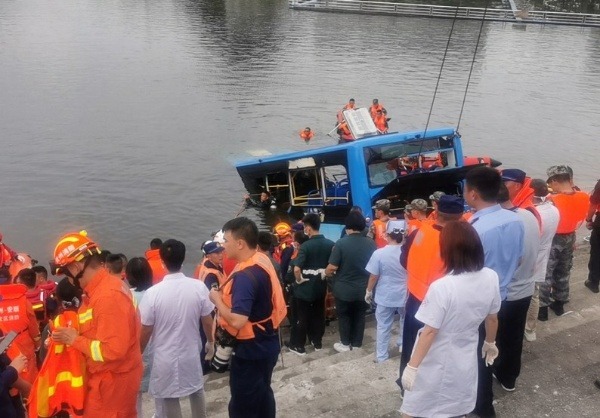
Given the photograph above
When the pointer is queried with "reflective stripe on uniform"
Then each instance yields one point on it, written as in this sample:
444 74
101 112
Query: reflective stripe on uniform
59 348
85 316
76 381
95 351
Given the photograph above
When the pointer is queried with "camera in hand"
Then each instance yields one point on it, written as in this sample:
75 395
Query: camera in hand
225 343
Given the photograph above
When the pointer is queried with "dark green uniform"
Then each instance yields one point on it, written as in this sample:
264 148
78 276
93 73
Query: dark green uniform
312 256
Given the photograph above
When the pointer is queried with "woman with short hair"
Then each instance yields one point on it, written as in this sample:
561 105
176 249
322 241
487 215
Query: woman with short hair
441 377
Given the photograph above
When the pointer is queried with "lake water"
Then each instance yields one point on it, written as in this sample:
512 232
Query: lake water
124 117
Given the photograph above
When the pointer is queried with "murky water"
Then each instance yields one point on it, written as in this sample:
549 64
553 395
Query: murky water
124 117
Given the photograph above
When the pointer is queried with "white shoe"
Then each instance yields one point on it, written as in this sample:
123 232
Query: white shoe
530 336
341 348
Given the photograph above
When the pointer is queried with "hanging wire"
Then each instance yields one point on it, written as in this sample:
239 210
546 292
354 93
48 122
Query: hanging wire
462 107
437 84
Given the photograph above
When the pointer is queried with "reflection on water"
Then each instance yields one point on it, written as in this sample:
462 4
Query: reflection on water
124 117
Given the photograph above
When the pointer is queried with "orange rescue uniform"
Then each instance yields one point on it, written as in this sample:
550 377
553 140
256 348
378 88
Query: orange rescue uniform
16 314
424 264
374 108
110 341
573 208
159 271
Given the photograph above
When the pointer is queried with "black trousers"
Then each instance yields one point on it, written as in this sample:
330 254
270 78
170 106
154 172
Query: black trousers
409 333
309 321
484 406
594 263
250 385
351 320
511 327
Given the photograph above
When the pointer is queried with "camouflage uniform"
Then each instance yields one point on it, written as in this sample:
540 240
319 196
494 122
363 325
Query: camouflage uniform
558 271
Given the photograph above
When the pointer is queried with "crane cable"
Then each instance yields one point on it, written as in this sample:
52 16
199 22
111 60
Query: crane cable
462 107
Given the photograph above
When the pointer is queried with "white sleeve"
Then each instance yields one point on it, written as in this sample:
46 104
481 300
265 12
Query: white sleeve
146 308
374 266
207 306
496 301
434 307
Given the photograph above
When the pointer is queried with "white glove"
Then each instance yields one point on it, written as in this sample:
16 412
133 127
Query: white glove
408 377
20 258
302 280
323 276
369 296
209 349
489 352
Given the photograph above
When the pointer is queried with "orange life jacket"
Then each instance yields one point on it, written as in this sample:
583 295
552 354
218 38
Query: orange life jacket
424 265
414 224
379 228
159 271
573 208
306 136
381 123
279 311
202 271
348 106
60 382
524 200
374 108
282 247
345 132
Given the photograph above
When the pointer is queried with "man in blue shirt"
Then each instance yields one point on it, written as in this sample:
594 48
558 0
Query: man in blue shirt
251 298
501 232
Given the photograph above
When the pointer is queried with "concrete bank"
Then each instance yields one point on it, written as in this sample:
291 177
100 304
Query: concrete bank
556 381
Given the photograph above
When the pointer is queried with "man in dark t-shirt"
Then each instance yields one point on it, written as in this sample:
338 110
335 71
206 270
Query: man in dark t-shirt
310 287
592 221
347 262
253 358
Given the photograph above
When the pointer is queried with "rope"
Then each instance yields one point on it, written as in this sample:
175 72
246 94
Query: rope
437 84
462 107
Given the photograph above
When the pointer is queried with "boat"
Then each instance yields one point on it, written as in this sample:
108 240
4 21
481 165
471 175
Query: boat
330 180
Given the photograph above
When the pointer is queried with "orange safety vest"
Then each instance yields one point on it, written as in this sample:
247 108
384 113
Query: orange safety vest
424 265
279 311
345 132
414 224
349 106
60 382
202 271
573 208
379 228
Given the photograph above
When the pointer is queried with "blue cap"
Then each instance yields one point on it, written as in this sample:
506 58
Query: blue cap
514 174
212 247
451 204
298 226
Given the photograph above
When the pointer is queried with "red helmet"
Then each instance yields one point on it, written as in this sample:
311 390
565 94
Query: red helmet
72 247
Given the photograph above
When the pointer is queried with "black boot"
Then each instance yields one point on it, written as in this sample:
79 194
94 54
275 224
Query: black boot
558 308
592 286
543 314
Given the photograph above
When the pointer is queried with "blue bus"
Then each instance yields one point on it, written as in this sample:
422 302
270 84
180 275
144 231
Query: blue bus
331 180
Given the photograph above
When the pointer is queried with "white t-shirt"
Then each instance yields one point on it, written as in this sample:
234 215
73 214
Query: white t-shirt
174 307
550 218
390 290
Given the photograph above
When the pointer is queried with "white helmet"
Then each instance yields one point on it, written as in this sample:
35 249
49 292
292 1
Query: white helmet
219 237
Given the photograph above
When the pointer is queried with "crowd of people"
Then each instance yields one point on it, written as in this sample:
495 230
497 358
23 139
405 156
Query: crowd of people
466 288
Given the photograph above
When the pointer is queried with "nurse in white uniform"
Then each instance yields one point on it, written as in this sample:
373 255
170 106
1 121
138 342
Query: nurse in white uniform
441 377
